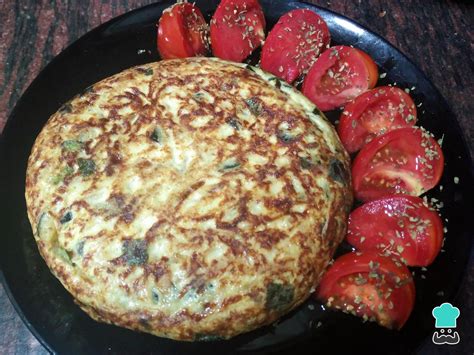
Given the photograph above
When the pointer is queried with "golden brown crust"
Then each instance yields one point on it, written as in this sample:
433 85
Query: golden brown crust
188 198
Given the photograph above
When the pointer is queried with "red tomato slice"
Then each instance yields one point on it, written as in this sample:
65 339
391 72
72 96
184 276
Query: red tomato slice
294 43
182 32
371 286
371 67
404 161
339 75
400 225
237 29
373 113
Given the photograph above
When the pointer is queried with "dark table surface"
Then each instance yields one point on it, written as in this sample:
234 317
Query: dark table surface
437 35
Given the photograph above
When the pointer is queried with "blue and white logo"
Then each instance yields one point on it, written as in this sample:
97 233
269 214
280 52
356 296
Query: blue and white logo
446 316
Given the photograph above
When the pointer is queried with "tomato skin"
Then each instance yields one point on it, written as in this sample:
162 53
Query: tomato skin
399 224
404 161
372 68
182 32
237 29
373 113
369 285
339 75
286 52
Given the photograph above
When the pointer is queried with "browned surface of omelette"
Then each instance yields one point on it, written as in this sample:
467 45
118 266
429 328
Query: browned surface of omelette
188 198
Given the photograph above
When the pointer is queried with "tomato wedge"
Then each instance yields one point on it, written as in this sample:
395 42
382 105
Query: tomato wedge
237 29
294 43
369 285
371 67
373 113
182 32
339 75
404 161
400 225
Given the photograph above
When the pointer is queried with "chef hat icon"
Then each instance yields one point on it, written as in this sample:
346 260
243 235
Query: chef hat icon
445 315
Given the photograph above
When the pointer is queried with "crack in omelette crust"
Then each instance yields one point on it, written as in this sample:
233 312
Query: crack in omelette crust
188 198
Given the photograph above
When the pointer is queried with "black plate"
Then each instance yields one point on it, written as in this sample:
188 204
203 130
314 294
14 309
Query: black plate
49 311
